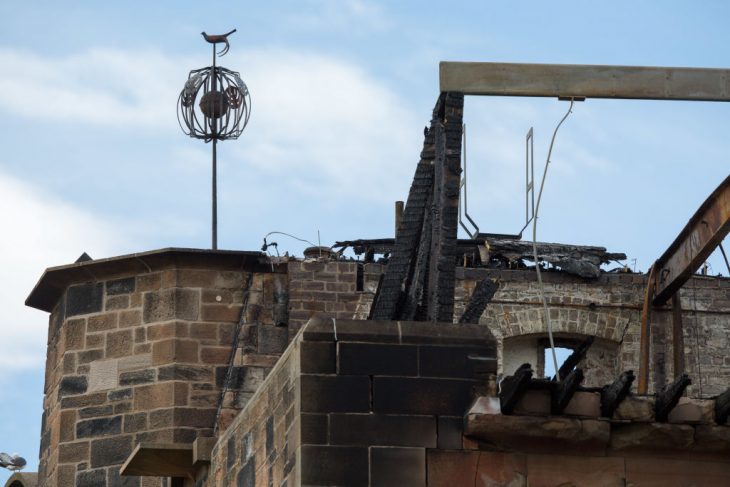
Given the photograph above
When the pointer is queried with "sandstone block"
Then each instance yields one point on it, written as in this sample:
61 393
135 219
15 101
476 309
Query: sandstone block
103 375
216 312
168 304
127 318
110 451
103 322
119 344
584 404
651 437
75 330
175 351
114 303
73 452
99 427
84 298
635 408
120 286
693 411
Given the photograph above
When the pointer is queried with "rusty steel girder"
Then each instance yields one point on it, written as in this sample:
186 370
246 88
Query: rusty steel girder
694 244
698 239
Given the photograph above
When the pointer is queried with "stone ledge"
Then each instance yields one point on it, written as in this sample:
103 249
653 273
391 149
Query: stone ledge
324 328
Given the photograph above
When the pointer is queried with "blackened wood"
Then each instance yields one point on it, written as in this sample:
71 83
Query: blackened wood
447 181
414 306
513 387
586 260
722 407
574 358
613 394
564 390
483 293
669 396
408 236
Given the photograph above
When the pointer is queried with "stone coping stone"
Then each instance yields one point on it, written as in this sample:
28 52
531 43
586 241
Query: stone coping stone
160 460
23 479
323 328
55 280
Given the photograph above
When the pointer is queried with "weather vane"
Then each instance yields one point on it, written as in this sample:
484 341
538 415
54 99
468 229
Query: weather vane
221 113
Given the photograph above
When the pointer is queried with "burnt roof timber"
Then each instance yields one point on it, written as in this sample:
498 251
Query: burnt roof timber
585 81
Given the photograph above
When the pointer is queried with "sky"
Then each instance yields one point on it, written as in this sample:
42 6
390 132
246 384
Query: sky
93 159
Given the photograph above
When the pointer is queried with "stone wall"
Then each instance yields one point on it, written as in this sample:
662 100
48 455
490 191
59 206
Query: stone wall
143 358
355 403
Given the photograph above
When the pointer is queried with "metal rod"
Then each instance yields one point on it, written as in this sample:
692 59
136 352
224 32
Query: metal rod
215 196
724 256
214 219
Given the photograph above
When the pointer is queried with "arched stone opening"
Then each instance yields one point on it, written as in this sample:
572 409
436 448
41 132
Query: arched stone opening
600 365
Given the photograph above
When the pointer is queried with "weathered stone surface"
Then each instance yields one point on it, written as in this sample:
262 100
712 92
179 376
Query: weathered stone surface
169 304
452 468
137 377
84 298
110 451
584 404
535 402
550 470
73 452
693 411
635 408
665 472
185 372
120 286
91 478
101 322
538 434
103 374
396 467
119 344
99 427
71 385
375 429
272 339
651 437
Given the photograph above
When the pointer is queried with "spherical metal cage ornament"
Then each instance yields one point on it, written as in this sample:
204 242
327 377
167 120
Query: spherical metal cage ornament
214 104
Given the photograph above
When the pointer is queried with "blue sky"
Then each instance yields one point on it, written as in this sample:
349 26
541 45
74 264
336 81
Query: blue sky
93 159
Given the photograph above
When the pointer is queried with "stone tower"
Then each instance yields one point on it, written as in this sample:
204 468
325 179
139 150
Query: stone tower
138 351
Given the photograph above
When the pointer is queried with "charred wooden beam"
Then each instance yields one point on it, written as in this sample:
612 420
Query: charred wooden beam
481 296
581 260
513 387
574 358
584 261
405 246
564 390
613 394
722 407
694 244
414 305
445 210
669 396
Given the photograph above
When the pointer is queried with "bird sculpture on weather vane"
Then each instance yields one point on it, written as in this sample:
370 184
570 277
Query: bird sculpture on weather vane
214 105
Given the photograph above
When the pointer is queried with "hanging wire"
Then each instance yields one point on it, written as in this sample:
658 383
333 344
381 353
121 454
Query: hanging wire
534 244
288 235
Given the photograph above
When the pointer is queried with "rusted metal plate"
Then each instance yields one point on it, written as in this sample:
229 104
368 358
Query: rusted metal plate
694 244
590 81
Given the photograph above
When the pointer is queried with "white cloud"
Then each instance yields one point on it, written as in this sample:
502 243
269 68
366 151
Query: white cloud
38 231
339 16
317 121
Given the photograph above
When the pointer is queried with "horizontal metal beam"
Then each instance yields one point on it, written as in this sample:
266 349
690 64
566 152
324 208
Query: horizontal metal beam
694 244
589 81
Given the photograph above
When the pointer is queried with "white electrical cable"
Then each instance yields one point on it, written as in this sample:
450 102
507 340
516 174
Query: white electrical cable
534 245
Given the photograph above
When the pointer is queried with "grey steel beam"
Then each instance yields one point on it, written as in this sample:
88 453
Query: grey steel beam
589 81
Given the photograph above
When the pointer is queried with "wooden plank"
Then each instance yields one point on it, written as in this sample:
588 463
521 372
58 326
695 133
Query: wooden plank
160 460
645 335
589 81
481 296
513 387
694 244
574 358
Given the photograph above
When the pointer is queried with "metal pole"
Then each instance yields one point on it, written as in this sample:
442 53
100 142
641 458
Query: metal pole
214 218
215 197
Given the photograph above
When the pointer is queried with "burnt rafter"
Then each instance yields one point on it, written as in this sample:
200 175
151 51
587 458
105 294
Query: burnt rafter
513 387
582 260
722 407
613 394
563 391
481 296
420 277
668 397
574 358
